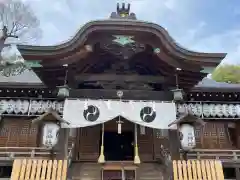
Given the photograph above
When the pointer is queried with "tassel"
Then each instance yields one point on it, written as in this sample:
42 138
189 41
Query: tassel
101 158
136 157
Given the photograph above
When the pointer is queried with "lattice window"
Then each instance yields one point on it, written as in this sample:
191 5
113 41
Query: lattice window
222 136
163 133
24 131
4 131
198 135
32 130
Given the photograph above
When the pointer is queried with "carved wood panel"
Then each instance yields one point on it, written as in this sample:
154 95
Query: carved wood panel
145 143
212 136
88 143
18 133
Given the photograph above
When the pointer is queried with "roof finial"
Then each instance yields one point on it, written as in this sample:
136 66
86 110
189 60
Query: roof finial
123 12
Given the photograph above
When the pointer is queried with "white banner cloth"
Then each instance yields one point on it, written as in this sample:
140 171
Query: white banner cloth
82 113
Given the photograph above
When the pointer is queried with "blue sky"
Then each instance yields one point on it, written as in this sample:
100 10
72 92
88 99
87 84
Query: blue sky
200 25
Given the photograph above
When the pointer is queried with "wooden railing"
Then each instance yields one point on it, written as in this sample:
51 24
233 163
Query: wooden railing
33 169
166 161
198 169
227 155
11 153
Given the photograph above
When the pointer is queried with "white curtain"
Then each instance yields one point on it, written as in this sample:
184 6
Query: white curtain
82 113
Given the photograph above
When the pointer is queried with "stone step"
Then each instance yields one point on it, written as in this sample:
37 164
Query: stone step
85 171
150 171
92 171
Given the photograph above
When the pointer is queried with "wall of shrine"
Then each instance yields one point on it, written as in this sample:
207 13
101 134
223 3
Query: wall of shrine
214 135
18 132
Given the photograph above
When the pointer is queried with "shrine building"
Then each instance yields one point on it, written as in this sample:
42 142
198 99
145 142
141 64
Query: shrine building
121 100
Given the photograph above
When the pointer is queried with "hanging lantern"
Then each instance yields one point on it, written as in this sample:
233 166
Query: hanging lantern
50 134
63 91
177 94
188 140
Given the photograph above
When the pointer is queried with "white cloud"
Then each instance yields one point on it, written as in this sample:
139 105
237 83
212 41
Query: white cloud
226 42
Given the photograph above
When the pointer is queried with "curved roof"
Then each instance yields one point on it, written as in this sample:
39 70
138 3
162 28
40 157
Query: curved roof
171 56
120 26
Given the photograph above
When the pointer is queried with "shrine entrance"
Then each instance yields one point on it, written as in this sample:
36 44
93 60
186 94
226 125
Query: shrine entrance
119 147
119 143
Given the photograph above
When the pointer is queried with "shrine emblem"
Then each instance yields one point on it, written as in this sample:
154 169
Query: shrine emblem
91 113
50 134
147 114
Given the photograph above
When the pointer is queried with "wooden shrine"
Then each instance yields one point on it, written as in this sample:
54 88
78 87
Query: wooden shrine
122 59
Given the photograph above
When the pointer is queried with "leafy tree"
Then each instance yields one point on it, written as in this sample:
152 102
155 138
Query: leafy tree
18 20
227 73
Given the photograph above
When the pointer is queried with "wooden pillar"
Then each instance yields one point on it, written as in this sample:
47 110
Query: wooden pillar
62 146
174 144
237 173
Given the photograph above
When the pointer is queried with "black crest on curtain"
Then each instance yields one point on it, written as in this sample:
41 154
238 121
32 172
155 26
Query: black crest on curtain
147 114
92 113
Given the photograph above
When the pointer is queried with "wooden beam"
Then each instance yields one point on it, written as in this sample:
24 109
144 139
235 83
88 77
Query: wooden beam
121 78
127 94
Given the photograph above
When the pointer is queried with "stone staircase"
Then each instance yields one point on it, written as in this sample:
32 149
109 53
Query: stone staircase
84 171
92 171
150 171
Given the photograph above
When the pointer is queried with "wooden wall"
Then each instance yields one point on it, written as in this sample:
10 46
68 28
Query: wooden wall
214 135
18 132
87 143
145 145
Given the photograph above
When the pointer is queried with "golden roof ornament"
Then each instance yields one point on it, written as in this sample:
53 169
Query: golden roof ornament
123 12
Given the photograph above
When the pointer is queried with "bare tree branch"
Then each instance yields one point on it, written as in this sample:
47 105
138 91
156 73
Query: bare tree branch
20 21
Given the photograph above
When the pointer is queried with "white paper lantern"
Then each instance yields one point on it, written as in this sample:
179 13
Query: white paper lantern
177 94
50 134
188 140
63 91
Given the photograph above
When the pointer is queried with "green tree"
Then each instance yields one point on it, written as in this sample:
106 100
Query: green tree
227 73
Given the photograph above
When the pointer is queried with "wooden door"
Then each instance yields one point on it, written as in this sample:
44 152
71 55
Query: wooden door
88 143
145 144
160 138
